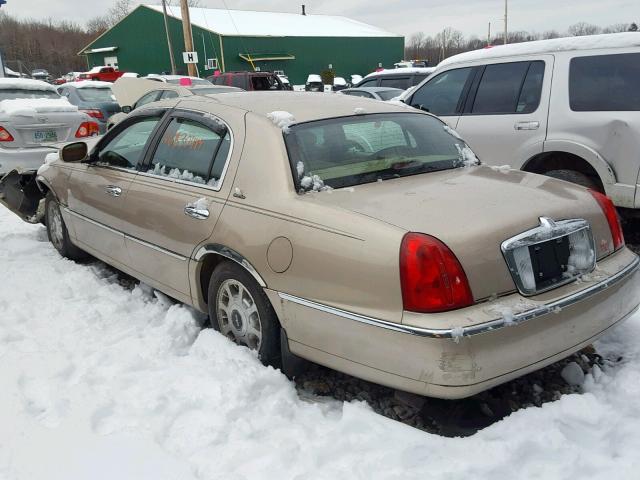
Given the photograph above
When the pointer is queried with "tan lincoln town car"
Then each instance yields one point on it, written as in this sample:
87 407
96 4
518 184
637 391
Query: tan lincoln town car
356 234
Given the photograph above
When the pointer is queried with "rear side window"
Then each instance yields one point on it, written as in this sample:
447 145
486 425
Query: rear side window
396 82
501 87
265 83
605 83
169 94
441 94
187 151
418 78
239 81
355 93
148 98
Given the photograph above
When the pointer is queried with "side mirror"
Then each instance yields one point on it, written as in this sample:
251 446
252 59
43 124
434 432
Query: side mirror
127 109
74 152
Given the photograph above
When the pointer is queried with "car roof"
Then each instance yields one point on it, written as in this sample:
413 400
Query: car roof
25 84
402 71
374 89
87 84
304 106
589 42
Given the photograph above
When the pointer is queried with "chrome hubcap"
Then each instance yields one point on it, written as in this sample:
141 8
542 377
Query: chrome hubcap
55 225
238 316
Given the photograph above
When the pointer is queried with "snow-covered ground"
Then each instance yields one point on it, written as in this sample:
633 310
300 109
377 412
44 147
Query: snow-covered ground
102 382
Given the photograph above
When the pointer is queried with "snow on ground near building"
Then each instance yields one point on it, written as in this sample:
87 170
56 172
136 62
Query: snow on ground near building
101 382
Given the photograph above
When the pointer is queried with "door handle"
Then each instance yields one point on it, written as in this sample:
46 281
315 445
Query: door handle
527 125
113 190
195 212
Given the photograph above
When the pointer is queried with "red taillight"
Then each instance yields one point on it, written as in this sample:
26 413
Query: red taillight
5 136
87 129
609 210
431 276
94 113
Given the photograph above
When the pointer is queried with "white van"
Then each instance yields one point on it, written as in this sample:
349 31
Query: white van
568 108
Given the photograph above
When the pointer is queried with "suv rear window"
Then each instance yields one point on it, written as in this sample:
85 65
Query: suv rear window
396 82
605 83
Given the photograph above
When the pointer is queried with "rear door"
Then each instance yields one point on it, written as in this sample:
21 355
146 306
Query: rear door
98 190
173 206
444 94
505 116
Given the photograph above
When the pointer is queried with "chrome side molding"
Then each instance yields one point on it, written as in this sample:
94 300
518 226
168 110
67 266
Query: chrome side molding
492 325
232 255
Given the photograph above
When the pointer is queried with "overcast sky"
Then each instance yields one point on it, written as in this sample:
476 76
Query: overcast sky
399 16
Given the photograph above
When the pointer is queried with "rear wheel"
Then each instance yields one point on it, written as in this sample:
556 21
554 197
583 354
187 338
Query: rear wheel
240 310
574 176
57 231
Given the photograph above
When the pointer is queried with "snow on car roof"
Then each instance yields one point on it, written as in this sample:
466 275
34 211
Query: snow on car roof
31 106
273 24
314 78
401 71
25 84
88 84
589 42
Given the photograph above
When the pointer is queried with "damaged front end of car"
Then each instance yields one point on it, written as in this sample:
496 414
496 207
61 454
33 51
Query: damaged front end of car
21 193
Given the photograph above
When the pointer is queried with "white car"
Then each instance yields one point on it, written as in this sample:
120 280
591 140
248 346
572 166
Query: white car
183 80
34 119
568 108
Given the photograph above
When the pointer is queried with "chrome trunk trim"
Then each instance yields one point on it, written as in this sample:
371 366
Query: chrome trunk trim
492 325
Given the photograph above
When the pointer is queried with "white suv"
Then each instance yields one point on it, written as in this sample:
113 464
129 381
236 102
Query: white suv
568 108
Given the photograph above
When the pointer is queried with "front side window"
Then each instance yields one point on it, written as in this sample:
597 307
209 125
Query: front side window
603 83
169 94
266 83
348 151
191 151
369 83
127 148
509 88
441 94
239 81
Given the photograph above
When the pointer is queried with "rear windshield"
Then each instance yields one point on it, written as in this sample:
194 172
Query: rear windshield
605 83
14 93
347 151
96 94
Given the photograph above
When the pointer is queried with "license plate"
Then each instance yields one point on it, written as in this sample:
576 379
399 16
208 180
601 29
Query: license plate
40 136
549 261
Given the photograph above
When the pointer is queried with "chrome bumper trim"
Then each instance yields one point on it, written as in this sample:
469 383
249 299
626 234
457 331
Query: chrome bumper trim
492 325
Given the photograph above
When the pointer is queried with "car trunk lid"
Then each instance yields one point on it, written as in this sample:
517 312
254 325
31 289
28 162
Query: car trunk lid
473 210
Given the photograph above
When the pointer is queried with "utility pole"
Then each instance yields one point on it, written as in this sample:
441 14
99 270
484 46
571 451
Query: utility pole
188 34
489 35
166 30
505 22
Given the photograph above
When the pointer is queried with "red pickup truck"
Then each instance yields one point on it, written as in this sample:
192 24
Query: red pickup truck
103 74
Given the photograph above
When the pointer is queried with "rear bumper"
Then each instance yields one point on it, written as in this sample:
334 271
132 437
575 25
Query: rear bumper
483 349
24 158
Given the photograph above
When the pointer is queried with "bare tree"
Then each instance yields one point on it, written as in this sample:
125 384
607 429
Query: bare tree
550 34
191 3
118 11
633 27
583 28
97 25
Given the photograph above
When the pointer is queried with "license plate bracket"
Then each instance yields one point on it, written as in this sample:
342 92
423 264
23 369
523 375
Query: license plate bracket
549 261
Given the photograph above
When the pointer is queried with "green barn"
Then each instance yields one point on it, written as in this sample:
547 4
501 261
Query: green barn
239 40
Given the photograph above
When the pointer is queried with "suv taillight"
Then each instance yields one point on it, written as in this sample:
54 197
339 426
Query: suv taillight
5 136
609 210
87 129
431 276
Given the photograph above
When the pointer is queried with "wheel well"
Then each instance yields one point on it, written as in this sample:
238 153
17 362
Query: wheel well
209 264
547 161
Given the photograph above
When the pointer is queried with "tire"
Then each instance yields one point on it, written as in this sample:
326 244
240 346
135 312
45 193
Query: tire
242 321
576 177
57 231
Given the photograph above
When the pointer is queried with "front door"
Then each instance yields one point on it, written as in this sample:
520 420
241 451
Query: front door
98 190
505 117
111 62
174 205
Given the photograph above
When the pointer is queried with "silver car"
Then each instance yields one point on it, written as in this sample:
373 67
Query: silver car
376 93
34 119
